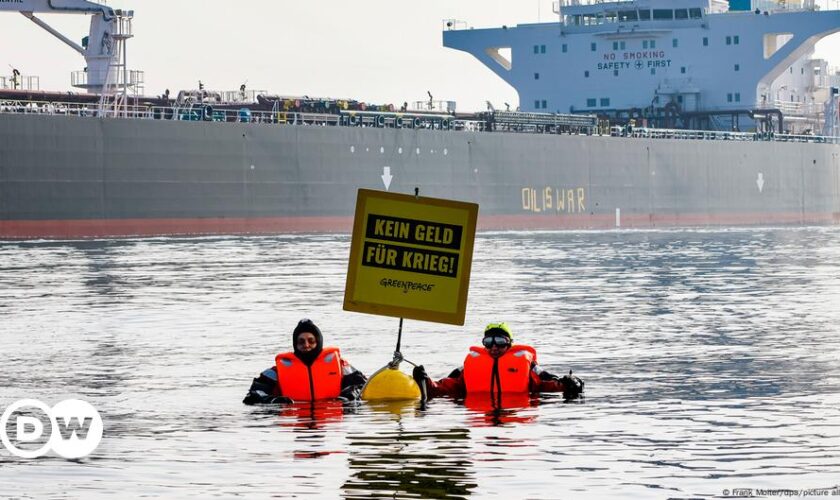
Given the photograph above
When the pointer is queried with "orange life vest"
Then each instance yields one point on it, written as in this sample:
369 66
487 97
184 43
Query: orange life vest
513 368
321 380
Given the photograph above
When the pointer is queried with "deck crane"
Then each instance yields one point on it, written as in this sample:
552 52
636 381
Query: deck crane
106 71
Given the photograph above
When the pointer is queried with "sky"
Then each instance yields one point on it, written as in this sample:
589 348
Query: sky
378 51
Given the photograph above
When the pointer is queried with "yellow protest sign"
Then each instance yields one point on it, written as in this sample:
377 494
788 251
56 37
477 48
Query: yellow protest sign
410 257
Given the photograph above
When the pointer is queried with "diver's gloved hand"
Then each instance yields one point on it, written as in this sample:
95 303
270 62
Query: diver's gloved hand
282 400
572 386
419 374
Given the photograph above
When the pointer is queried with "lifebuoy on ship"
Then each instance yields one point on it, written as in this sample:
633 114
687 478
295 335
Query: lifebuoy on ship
380 121
398 122
445 124
416 123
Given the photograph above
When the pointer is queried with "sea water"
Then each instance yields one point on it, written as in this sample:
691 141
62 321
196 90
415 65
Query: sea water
711 360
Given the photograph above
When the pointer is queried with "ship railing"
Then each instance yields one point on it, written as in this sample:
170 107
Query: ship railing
20 82
434 106
48 108
367 119
695 135
241 96
558 5
793 6
717 135
411 120
795 107
208 113
818 139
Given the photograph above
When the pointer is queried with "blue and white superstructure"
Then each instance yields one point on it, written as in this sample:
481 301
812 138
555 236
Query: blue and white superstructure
698 60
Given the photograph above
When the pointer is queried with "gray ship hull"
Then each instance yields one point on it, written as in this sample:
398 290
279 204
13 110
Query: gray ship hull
71 177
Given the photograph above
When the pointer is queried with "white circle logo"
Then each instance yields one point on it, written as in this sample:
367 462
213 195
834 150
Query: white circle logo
75 429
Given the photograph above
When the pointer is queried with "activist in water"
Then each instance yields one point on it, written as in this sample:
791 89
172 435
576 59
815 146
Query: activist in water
498 366
310 372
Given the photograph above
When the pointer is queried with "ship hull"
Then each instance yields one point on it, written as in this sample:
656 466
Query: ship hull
74 177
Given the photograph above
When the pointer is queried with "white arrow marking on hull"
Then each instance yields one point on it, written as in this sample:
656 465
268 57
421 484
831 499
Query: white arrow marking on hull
760 182
387 177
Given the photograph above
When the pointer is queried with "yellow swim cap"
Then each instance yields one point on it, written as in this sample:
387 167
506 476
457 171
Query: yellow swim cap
498 328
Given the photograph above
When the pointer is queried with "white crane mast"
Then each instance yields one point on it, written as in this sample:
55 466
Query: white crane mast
106 71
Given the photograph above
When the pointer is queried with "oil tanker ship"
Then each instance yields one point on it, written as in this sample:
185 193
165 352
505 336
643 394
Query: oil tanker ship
636 113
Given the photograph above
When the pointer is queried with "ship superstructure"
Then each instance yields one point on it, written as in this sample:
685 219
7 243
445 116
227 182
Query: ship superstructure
687 63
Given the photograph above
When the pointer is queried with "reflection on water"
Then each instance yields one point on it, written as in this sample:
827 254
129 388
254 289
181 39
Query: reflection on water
710 360
408 463
312 415
492 409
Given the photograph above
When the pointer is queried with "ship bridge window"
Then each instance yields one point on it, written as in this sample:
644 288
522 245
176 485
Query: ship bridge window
591 103
681 13
695 13
627 15
644 15
605 101
662 14
610 17
592 19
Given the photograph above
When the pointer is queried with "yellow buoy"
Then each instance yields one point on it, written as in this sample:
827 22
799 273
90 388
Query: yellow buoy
390 384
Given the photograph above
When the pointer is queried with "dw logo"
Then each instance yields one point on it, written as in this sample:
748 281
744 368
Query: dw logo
30 429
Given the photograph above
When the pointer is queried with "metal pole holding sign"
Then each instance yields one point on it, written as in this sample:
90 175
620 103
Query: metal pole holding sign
399 336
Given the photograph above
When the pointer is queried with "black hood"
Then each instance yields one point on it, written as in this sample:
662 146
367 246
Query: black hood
306 325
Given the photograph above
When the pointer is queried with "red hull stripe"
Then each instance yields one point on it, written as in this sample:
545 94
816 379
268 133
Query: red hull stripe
102 228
